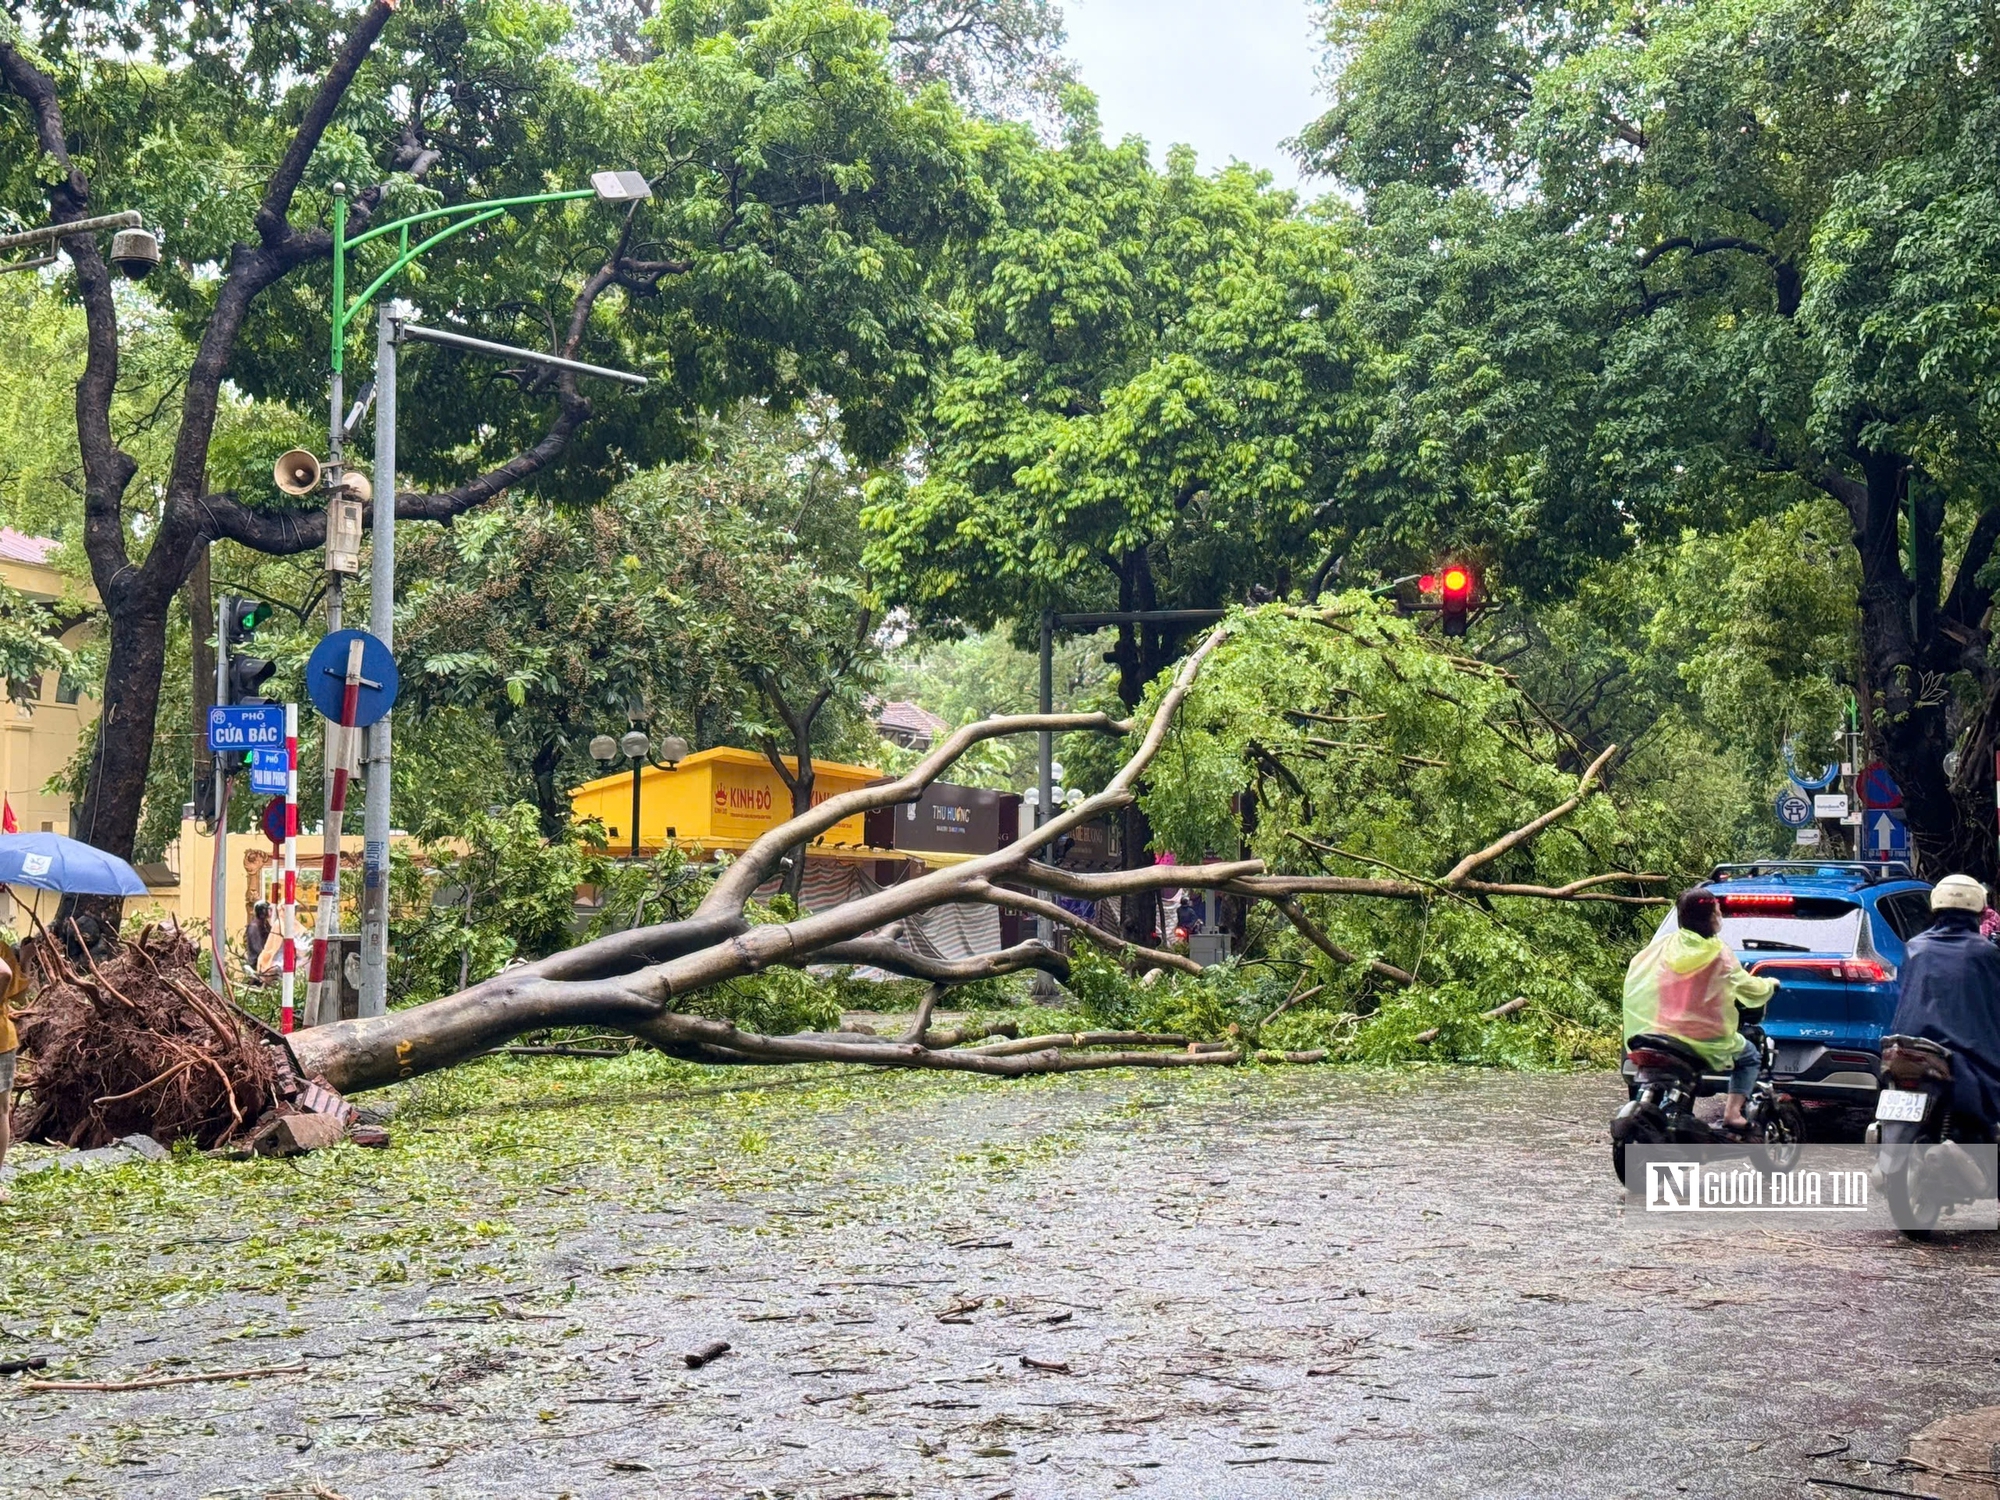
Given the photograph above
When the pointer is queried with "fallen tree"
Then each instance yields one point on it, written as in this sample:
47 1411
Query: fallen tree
638 982
632 981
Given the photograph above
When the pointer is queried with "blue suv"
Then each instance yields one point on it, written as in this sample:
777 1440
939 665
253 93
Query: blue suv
1832 933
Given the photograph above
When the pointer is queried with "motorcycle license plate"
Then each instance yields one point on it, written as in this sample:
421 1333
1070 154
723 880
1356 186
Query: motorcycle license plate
1901 1104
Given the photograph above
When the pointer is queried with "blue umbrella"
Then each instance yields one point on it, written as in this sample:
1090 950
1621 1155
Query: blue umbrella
50 862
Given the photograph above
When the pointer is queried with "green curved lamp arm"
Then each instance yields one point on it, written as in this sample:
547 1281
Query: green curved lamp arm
344 312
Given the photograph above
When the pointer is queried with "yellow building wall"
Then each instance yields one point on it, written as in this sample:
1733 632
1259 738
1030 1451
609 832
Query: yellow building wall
723 798
38 738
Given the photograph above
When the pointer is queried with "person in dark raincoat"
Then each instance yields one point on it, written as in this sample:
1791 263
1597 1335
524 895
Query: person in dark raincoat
1949 992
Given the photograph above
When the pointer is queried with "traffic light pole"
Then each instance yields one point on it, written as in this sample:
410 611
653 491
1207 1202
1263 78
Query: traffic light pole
218 868
381 623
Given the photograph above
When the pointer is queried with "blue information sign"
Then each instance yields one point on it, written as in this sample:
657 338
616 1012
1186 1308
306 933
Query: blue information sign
1884 834
267 772
326 676
244 726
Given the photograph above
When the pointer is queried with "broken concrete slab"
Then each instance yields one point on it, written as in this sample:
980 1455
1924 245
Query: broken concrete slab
290 1135
119 1153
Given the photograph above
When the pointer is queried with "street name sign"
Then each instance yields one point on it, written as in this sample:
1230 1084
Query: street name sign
243 726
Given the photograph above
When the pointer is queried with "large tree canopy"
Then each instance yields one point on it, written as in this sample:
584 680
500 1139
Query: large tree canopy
800 197
1151 409
1688 265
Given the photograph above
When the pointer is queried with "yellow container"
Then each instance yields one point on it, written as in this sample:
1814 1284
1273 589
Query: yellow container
723 798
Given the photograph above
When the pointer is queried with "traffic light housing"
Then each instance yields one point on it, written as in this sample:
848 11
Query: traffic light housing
243 675
1455 588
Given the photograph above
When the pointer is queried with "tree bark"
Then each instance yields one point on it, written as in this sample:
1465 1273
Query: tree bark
1912 643
108 817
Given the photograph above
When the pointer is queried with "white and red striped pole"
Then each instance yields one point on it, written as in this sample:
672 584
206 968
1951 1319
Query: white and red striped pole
290 909
338 768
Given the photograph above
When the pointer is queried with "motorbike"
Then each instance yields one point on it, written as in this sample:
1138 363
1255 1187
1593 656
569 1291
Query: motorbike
1666 1083
1914 1108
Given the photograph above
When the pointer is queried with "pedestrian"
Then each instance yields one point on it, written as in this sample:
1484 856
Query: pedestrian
257 936
13 982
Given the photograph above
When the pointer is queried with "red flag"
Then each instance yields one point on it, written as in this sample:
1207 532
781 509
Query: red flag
8 822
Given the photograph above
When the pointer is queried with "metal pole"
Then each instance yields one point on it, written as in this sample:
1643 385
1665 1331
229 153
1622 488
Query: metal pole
381 623
1044 931
217 874
130 219
530 356
288 985
330 739
339 765
637 764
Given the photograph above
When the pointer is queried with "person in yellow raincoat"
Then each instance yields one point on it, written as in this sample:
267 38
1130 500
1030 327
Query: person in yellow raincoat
1686 984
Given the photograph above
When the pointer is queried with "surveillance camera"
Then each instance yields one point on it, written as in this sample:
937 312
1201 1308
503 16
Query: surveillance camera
135 252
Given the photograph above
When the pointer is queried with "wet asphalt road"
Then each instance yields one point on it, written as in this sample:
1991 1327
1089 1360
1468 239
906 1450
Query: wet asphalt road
1305 1283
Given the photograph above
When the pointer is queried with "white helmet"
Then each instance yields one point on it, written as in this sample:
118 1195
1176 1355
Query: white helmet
1958 893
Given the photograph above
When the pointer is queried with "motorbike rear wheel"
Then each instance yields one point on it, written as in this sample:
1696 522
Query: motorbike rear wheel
1781 1135
1916 1218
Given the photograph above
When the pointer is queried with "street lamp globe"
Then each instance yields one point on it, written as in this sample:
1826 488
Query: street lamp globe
673 749
635 743
604 749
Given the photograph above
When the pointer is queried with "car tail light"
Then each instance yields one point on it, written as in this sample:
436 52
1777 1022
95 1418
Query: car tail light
1852 970
1759 903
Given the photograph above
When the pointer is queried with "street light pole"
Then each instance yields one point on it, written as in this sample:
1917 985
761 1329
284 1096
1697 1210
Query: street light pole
382 623
610 187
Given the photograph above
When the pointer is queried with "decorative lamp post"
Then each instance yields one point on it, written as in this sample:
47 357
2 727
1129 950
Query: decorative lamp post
636 746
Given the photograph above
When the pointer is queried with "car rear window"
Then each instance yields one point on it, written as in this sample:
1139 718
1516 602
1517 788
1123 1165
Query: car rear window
1807 924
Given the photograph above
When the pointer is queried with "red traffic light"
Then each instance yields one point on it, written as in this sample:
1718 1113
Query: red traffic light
1457 581
1427 584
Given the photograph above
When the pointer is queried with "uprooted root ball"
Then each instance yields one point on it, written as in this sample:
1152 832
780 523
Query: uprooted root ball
136 1043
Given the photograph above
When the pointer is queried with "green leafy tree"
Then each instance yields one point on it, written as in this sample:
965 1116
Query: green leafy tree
1151 411
721 598
1364 751
1633 268
799 196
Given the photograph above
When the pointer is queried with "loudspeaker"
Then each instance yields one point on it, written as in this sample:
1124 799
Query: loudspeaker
296 472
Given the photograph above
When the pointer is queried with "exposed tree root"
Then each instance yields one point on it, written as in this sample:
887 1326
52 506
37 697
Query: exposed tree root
137 1044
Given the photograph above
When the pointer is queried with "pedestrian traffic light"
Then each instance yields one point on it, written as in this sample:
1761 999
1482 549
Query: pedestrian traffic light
243 675
1455 585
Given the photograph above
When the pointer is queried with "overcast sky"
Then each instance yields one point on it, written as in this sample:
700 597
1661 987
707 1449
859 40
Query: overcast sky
1231 78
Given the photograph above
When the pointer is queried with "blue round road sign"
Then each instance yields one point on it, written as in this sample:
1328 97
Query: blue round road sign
1794 808
326 676
1878 787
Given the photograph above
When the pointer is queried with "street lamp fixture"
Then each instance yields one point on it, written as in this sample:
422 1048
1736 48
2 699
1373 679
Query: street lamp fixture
606 187
135 250
637 746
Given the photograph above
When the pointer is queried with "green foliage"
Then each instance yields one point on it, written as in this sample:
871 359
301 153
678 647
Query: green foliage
1150 408
491 889
1368 751
774 1002
708 595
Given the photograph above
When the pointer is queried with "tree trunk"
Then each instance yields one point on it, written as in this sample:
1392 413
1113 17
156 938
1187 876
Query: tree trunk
1910 702
552 806
109 815
801 784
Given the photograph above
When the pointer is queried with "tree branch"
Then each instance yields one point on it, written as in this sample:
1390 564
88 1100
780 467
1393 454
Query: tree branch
1527 831
273 213
107 468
